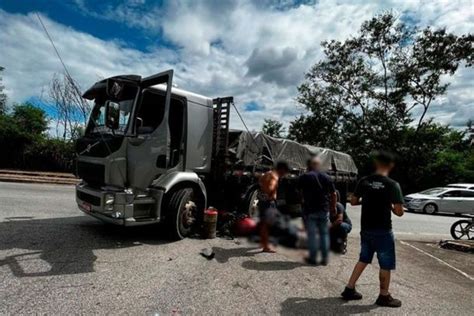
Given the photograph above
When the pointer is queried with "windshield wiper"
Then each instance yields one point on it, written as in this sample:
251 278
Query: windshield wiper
89 147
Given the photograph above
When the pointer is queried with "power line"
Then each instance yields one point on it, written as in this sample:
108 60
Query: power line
245 125
241 118
75 87
52 43
68 75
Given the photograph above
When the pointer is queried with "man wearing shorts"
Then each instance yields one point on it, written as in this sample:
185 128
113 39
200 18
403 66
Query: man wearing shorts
379 196
267 197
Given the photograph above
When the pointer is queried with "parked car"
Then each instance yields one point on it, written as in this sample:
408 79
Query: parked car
469 186
446 200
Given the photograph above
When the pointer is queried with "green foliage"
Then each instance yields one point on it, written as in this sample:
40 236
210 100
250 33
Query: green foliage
31 120
25 144
273 128
54 154
12 141
423 156
361 96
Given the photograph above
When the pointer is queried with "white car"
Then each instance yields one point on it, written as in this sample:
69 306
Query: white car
446 200
469 186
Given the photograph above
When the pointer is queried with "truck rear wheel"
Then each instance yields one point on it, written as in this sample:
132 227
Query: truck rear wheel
183 213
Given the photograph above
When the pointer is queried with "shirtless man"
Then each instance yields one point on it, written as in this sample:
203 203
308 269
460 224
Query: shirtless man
267 196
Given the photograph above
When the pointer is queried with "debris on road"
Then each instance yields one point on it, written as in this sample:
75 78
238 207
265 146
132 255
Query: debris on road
208 253
244 226
459 245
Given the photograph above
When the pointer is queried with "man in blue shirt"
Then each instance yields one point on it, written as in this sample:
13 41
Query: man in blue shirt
319 199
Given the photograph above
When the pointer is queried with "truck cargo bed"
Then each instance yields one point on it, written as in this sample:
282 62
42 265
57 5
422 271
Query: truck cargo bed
258 149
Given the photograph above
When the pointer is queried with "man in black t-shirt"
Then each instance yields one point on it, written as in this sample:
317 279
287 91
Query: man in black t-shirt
379 196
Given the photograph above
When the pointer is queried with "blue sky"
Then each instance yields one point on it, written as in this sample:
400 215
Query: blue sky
71 14
257 51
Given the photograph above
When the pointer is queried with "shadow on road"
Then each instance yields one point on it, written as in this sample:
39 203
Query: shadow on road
272 265
322 306
66 244
223 255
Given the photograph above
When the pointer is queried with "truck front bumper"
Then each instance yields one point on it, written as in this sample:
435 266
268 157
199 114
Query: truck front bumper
116 207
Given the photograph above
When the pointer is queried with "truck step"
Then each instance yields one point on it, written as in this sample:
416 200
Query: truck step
148 200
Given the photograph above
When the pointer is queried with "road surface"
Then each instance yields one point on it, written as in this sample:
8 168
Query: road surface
54 260
414 226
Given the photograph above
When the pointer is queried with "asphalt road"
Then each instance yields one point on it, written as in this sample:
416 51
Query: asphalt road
54 260
414 226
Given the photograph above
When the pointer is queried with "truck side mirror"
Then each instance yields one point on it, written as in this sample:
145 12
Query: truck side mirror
112 115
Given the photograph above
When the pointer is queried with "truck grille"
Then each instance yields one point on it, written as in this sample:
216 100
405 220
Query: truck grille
91 173
98 147
91 199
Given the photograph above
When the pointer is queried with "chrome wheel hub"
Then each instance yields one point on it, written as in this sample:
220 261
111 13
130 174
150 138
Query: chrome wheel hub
188 216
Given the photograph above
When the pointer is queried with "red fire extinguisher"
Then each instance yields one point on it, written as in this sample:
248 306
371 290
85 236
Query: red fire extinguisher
210 223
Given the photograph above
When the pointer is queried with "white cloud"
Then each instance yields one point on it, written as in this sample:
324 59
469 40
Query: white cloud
256 51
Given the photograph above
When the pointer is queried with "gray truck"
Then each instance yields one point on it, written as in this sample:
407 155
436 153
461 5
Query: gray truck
154 153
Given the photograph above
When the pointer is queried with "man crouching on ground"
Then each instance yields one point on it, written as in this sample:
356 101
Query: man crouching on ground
379 196
267 197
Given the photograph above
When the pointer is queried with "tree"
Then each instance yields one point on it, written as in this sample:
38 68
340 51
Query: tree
387 70
3 96
72 111
363 93
31 120
434 54
470 132
26 125
273 128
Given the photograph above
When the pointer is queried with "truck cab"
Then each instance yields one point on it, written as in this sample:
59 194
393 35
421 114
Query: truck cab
146 148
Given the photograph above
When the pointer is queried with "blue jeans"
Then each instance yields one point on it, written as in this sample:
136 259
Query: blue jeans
317 225
381 242
341 230
338 236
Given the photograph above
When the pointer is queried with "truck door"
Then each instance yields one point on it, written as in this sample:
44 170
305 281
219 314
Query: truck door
149 153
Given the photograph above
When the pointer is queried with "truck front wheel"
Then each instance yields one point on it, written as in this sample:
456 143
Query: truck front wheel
183 213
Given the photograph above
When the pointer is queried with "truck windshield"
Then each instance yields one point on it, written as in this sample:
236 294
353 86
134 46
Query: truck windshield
97 119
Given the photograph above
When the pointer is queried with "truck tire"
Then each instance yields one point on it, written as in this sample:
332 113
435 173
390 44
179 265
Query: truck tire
182 216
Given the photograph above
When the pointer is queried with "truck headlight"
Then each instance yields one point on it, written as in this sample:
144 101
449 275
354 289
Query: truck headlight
116 214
